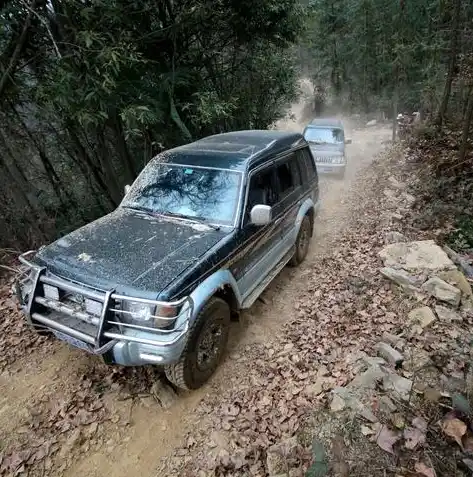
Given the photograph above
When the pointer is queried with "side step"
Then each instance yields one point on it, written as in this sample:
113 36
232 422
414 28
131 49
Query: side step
253 296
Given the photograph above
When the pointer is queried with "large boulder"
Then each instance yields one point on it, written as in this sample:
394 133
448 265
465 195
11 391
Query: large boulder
419 256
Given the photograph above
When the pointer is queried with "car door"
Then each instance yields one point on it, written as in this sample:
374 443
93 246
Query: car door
259 245
288 177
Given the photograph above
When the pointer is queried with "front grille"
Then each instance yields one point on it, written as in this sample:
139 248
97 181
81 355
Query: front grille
323 160
329 159
93 316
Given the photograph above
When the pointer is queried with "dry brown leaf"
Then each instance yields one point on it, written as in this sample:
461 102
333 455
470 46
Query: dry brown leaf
420 423
467 443
432 394
422 469
414 437
454 428
386 438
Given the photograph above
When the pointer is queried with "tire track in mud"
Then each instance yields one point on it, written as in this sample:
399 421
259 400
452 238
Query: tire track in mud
152 433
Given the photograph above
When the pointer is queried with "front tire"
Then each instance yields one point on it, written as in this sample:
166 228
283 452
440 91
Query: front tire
302 242
205 347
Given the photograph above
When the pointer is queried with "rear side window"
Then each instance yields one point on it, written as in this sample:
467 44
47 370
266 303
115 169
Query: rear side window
288 175
307 164
295 170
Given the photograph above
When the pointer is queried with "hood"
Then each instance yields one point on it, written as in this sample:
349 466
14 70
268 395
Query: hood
129 251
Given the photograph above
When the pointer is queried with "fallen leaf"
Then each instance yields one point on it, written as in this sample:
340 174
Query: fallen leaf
468 443
386 439
454 428
414 437
468 463
231 410
367 431
432 394
419 423
422 469
398 420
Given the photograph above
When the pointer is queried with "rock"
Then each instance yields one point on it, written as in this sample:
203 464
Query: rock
371 123
278 454
400 385
443 291
394 340
390 354
386 405
164 394
424 255
394 237
343 397
416 359
338 403
423 316
368 379
446 314
314 389
455 277
400 277
374 361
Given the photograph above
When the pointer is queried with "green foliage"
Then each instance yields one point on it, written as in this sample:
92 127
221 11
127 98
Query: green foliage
460 403
462 237
366 50
319 467
97 88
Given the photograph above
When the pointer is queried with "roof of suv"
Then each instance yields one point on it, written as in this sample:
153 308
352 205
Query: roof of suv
233 150
325 122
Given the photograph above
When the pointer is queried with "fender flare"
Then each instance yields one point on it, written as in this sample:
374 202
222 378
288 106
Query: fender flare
210 286
307 205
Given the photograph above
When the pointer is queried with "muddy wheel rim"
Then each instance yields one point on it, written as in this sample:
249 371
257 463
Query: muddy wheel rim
303 240
210 345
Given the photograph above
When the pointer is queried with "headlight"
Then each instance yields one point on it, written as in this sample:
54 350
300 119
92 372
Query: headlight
144 314
338 160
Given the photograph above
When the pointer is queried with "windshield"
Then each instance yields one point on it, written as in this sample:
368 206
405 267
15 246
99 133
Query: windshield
324 135
195 193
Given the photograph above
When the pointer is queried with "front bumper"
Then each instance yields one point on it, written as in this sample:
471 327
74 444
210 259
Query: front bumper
328 168
101 332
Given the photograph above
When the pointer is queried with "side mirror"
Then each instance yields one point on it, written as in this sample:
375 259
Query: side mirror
127 189
347 141
261 214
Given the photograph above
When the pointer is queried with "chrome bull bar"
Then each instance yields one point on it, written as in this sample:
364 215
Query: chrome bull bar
107 329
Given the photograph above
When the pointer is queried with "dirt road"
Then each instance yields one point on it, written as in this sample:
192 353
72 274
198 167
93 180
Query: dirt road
134 435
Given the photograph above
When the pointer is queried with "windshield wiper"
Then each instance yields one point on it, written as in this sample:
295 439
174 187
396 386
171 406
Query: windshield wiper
193 219
140 208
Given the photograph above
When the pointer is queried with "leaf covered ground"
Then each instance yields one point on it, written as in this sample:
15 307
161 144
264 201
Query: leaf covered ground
268 409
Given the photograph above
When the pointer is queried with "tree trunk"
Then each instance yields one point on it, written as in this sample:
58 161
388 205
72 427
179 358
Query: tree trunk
122 148
92 168
18 49
451 65
466 130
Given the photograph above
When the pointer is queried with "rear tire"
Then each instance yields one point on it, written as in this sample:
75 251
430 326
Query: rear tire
205 347
302 242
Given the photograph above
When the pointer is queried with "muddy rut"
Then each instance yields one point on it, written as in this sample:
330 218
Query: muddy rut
138 435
